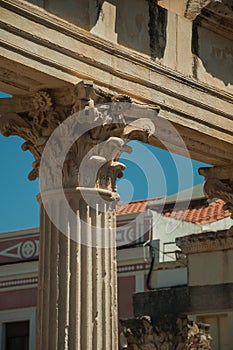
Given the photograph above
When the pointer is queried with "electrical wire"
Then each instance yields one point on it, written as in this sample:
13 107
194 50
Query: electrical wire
152 251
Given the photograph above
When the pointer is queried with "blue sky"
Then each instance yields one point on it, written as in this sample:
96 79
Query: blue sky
150 172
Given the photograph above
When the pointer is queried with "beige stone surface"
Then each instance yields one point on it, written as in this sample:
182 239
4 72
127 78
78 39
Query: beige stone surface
165 332
214 58
217 268
108 21
105 26
177 6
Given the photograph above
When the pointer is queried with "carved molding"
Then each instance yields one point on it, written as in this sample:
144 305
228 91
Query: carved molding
205 242
194 143
17 80
219 184
217 17
96 152
18 283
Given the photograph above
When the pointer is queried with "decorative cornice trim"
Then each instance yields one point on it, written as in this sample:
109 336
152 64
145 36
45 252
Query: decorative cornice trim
26 249
11 236
18 283
133 268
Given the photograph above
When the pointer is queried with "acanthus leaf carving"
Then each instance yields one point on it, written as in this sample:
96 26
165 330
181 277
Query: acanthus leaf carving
219 184
97 116
166 333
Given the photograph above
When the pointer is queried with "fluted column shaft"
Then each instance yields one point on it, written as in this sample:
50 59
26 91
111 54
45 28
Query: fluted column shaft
77 294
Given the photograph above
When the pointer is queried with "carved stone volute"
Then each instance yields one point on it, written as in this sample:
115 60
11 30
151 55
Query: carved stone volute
219 184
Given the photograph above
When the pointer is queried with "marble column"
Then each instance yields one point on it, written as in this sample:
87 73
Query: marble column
78 168
77 282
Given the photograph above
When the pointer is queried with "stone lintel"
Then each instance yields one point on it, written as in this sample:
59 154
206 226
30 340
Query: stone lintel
190 105
201 147
68 96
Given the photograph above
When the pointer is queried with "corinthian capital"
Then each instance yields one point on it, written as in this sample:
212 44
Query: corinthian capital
219 184
38 116
78 132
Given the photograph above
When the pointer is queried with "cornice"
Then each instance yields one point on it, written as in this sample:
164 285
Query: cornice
149 84
12 235
38 15
205 242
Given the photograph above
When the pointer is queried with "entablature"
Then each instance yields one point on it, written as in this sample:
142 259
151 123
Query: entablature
38 60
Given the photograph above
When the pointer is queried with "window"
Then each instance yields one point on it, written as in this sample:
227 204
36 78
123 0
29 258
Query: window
17 335
17 329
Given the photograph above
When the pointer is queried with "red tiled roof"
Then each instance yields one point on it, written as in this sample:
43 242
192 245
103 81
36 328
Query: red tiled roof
201 214
198 214
134 207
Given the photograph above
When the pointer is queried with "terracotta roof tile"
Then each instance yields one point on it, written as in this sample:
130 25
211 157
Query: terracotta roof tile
199 213
134 207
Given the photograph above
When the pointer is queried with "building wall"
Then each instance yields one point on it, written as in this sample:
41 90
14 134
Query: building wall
210 268
19 255
213 57
19 275
165 276
167 230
